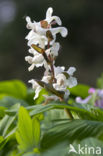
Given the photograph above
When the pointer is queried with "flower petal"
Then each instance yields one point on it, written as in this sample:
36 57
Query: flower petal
31 67
91 90
30 25
71 82
62 30
83 101
71 70
57 19
29 59
55 48
66 95
36 87
49 13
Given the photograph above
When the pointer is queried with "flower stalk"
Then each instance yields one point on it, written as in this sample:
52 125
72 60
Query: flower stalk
44 48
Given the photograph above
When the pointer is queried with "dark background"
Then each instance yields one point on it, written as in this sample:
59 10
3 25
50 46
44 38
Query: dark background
82 48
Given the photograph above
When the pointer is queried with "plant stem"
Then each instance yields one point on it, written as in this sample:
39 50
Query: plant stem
51 64
49 60
68 113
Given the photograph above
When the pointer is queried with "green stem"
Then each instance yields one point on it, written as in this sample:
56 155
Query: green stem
68 113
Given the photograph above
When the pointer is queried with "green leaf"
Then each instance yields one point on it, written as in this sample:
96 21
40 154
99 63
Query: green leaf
27 135
24 135
100 82
9 101
80 90
12 111
83 111
14 88
30 154
71 131
3 143
30 95
1 139
36 130
2 111
7 128
59 149
7 124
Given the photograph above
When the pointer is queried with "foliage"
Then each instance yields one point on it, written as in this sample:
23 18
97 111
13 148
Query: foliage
28 133
80 90
29 128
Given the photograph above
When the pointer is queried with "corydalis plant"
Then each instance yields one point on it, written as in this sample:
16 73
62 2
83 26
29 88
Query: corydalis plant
44 48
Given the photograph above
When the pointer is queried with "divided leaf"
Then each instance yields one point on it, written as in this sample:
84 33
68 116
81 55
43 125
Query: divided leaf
28 133
71 131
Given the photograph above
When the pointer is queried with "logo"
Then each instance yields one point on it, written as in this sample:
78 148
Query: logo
84 149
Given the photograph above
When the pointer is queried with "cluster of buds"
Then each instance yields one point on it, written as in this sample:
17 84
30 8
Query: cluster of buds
44 50
95 95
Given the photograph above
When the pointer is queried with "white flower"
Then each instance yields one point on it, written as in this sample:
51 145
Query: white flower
38 36
60 83
71 70
46 79
72 81
59 70
36 87
64 79
34 38
37 61
30 24
50 18
44 50
62 30
42 27
53 51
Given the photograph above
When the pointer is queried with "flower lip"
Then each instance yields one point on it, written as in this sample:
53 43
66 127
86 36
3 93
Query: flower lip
71 70
51 18
62 30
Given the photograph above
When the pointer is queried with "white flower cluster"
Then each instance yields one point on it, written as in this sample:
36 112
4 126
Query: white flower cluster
44 50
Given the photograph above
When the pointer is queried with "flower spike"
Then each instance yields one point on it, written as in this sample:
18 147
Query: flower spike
44 50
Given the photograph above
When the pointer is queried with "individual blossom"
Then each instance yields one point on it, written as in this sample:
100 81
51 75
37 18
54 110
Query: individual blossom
64 79
96 94
37 60
53 50
36 87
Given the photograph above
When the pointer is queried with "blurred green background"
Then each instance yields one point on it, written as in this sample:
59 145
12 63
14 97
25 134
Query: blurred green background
82 48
